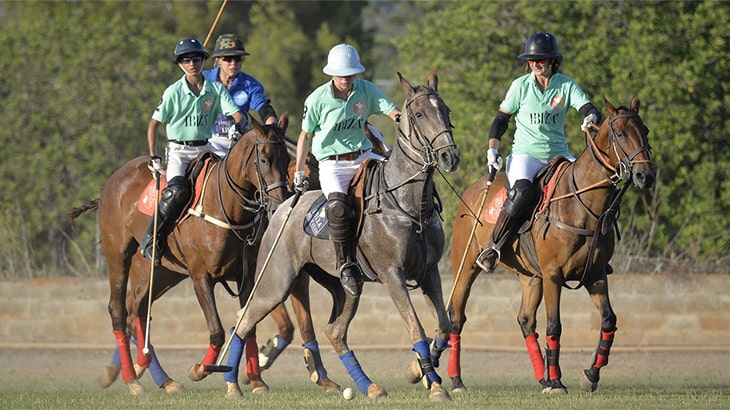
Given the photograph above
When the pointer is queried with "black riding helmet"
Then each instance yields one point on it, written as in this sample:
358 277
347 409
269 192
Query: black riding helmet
541 45
189 46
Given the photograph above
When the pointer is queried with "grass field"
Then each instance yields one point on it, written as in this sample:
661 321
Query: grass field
66 379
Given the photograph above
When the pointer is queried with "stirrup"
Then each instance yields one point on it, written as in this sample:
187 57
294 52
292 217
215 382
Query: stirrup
488 258
145 248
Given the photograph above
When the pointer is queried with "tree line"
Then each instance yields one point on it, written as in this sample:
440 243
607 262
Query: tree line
80 81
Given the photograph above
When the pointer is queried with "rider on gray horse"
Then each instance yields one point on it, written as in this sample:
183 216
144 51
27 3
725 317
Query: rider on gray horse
333 126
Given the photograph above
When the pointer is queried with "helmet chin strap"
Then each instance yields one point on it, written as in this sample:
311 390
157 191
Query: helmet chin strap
183 68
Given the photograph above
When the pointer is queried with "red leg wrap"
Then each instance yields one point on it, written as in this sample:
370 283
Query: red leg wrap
553 356
252 358
604 348
454 368
212 355
533 349
125 356
142 359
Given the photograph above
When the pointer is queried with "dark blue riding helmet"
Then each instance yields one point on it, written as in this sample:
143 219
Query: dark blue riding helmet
189 46
540 45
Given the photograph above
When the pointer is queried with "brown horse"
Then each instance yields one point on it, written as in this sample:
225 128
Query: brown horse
569 238
217 244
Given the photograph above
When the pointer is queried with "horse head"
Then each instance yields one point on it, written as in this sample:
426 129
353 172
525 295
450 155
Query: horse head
261 159
426 126
622 145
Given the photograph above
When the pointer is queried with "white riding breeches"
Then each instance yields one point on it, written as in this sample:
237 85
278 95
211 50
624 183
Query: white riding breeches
335 176
180 156
525 167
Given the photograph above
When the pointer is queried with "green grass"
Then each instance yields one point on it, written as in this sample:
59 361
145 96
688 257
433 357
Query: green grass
297 393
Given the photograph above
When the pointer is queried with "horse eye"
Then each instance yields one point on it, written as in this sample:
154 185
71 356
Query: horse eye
419 115
264 161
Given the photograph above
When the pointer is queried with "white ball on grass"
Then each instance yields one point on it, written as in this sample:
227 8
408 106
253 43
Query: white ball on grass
348 393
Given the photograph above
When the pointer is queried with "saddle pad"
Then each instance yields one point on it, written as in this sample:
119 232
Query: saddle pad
315 221
495 205
146 203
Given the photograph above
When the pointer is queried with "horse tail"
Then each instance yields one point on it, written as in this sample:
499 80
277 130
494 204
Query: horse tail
89 206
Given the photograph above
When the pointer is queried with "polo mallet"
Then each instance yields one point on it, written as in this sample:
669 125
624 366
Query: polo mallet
492 174
146 349
215 22
221 368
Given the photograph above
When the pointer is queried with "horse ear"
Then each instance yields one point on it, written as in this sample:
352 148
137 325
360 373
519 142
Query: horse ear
635 104
284 121
610 109
254 123
407 87
433 80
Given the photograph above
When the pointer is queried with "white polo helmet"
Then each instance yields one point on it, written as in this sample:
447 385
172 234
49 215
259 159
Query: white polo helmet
342 61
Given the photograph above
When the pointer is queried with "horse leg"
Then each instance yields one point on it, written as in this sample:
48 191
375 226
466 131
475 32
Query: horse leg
526 318
461 292
552 286
302 309
206 298
274 346
434 296
598 292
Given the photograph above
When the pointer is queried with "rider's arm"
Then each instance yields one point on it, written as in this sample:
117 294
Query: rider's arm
498 128
303 145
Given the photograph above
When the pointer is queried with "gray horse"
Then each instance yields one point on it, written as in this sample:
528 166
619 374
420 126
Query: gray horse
400 241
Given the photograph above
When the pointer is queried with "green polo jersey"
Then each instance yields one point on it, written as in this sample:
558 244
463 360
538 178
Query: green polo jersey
189 117
339 126
540 116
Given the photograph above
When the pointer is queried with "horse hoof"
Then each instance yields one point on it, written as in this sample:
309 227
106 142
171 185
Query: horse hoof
457 386
553 387
233 391
587 385
135 389
438 393
376 392
197 372
259 387
109 376
329 386
171 386
139 370
413 372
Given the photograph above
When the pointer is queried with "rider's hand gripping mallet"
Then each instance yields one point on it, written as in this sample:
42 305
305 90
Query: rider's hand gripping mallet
221 368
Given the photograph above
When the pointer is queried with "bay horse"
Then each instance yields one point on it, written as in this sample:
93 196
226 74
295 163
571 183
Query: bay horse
399 244
218 243
571 237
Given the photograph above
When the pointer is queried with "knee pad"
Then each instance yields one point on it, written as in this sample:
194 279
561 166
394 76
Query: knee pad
339 216
519 198
174 198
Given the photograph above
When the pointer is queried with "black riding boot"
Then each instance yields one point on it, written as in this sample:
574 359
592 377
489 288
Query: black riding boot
147 241
339 216
503 229
173 199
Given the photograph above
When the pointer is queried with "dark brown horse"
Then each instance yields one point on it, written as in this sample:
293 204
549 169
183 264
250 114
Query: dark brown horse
570 238
218 243
400 243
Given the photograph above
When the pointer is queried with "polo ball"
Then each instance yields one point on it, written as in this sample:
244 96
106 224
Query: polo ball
348 393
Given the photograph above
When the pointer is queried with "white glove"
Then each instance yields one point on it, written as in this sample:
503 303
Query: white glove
155 165
300 181
494 160
233 133
591 119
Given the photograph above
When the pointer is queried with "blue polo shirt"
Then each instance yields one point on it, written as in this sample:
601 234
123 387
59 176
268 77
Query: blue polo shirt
247 93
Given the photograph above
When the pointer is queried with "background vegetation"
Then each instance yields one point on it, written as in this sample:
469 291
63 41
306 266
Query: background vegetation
81 79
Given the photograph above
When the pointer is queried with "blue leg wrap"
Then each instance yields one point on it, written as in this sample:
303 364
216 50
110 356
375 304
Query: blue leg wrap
235 353
314 347
353 368
281 344
424 358
437 347
116 359
156 371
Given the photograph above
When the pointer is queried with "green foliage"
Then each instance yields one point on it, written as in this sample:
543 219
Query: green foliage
673 55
